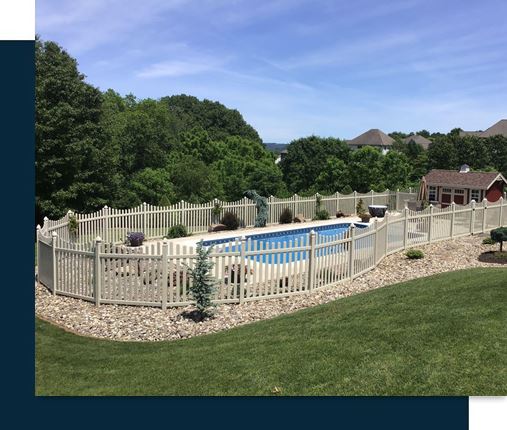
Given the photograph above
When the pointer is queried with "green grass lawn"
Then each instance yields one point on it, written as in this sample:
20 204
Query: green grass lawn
441 335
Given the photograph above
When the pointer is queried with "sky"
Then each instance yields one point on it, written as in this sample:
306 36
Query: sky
294 68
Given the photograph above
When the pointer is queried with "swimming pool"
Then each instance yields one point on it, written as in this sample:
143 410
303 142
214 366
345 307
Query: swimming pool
288 238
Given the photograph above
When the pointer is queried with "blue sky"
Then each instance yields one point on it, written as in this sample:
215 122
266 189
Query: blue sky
295 68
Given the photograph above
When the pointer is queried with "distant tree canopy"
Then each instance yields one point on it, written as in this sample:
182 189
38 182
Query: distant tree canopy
95 148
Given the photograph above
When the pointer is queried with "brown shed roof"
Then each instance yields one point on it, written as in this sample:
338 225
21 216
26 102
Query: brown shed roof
499 128
453 178
373 137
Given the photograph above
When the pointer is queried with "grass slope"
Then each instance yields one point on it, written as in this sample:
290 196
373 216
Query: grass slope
441 335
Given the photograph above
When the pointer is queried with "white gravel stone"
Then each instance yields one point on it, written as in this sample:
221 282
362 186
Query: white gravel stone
137 323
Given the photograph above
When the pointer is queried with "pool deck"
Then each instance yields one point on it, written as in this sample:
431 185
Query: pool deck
233 234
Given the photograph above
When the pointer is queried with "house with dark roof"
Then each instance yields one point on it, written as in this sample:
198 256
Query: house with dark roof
417 138
374 137
462 186
500 128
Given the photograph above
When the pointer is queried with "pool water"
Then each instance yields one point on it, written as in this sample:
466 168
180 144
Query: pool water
299 238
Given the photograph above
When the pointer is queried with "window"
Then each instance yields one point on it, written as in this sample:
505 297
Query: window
432 194
459 191
475 195
446 190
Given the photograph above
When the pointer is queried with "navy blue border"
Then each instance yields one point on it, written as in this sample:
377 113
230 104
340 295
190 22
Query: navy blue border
17 138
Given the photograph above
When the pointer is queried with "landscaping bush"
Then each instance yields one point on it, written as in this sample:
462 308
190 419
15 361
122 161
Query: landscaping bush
488 241
178 230
286 216
321 214
73 224
414 254
360 210
164 201
204 285
230 220
499 235
135 238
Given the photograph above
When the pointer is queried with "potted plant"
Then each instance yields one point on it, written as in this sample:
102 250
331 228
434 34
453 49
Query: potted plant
135 238
361 212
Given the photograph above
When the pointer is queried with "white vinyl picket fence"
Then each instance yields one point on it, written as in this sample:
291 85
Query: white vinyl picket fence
112 225
246 269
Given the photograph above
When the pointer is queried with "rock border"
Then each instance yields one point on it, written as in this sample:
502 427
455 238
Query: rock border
137 323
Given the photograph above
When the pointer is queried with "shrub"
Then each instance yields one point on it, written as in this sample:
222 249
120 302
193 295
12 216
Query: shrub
321 214
360 207
488 241
414 254
286 216
203 287
216 211
499 235
347 190
72 224
135 238
178 230
230 220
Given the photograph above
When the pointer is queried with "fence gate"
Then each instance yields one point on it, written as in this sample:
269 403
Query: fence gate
45 261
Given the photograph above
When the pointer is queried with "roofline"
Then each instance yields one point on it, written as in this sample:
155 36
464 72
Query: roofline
470 187
496 179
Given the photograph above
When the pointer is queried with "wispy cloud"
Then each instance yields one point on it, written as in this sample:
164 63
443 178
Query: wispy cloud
174 69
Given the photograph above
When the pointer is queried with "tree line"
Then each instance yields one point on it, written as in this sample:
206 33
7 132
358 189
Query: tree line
97 148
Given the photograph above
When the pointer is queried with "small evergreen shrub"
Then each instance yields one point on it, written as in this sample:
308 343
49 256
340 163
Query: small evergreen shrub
178 230
488 241
347 190
73 224
286 216
204 285
499 235
360 210
216 211
135 238
414 254
230 220
321 214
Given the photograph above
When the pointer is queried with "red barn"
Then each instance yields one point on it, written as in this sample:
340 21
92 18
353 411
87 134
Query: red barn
463 186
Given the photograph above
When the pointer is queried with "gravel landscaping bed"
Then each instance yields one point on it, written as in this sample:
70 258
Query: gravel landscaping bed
133 323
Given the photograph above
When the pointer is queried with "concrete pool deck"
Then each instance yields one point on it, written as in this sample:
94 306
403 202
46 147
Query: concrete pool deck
195 238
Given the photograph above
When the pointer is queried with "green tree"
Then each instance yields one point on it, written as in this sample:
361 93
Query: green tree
72 151
306 158
150 185
334 177
366 169
442 154
396 170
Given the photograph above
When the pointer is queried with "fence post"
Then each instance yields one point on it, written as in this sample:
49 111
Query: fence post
375 252
38 247
472 218
430 224
405 228
397 198
501 212
54 238
242 268
352 250
145 221
105 224
355 202
386 218
296 206
311 262
453 217
165 254
372 196
484 213
97 272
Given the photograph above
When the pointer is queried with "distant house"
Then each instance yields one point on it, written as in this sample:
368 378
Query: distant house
374 137
417 138
463 186
500 128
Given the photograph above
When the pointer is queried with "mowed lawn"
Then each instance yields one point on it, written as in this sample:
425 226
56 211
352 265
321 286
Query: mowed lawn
441 335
